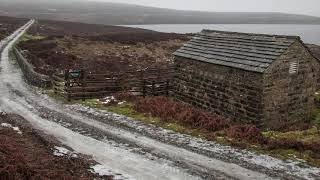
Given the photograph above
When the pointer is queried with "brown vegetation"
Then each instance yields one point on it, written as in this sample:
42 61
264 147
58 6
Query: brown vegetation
242 135
9 25
169 110
249 133
54 46
30 156
95 32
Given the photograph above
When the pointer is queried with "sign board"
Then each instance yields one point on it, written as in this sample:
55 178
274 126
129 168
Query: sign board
75 74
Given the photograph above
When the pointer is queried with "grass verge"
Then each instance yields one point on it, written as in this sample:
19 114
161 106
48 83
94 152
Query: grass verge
306 136
27 37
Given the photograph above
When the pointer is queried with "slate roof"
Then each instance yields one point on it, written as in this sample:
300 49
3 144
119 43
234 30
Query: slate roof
251 52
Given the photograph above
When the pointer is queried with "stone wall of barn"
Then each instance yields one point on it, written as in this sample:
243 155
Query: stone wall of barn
290 97
230 92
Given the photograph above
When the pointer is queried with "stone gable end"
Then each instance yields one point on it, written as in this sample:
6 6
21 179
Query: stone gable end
290 96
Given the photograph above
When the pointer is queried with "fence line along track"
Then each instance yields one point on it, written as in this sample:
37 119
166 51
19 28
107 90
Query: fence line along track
83 85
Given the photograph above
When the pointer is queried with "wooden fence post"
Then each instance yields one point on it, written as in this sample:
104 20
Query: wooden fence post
144 87
145 82
167 88
67 83
54 84
83 83
153 88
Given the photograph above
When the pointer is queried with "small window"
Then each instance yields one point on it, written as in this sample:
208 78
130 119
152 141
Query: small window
294 67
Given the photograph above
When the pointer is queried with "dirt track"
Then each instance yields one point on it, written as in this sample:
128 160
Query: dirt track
133 150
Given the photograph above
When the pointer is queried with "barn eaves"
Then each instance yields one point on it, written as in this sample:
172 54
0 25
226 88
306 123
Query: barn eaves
251 52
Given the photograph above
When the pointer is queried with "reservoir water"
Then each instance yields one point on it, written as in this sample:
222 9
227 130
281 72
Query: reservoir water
308 33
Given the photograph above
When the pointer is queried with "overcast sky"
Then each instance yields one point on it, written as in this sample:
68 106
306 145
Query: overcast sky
309 7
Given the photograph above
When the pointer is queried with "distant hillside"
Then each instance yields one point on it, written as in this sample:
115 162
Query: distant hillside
315 49
113 13
63 28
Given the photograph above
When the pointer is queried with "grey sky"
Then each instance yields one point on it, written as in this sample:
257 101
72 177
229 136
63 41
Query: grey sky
310 7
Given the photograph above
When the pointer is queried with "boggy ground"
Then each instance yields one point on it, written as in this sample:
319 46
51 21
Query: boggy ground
10 24
54 46
26 153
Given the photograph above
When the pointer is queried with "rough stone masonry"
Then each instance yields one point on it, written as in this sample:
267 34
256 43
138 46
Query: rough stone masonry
250 78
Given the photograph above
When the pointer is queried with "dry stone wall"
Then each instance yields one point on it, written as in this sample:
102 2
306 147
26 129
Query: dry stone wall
233 93
33 77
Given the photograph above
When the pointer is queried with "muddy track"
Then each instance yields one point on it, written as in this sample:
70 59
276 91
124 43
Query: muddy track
133 150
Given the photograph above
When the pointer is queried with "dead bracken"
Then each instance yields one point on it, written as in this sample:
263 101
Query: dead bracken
30 155
98 49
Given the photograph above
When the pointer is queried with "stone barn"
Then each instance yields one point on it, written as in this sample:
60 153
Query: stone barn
250 78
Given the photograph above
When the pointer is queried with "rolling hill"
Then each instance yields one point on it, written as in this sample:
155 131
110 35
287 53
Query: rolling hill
126 14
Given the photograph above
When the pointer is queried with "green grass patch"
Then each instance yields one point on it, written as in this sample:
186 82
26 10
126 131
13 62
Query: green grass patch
27 37
316 118
93 103
316 114
127 109
306 136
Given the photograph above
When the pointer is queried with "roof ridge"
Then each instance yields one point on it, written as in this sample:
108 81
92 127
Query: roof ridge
250 34
213 46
